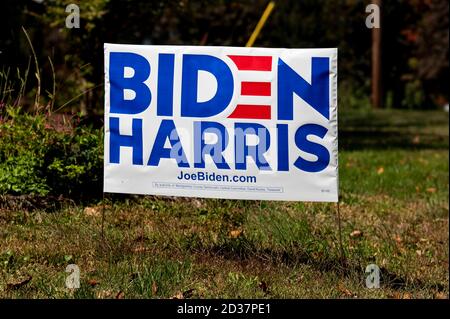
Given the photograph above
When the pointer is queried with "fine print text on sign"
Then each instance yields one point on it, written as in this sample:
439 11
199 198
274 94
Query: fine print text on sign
221 122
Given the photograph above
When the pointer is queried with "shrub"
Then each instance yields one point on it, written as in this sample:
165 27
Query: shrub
49 154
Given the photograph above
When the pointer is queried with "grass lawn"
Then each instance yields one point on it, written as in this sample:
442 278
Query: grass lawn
394 208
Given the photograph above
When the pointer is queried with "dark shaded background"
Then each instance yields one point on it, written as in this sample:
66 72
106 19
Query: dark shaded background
414 49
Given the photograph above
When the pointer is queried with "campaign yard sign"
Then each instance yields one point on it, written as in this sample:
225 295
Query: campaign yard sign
221 122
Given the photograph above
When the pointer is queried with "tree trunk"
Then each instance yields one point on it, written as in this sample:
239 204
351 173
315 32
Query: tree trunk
376 63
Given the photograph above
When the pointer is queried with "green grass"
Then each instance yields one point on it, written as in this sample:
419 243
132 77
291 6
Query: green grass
394 191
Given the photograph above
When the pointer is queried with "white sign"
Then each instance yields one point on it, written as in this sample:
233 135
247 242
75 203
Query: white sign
221 122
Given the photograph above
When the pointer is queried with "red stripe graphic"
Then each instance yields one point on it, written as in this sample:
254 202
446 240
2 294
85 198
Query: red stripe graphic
252 63
255 88
245 111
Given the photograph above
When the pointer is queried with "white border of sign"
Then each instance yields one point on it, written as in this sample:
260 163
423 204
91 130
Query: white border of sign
295 185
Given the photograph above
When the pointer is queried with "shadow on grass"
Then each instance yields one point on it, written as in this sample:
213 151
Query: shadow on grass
364 139
330 261
29 203
386 129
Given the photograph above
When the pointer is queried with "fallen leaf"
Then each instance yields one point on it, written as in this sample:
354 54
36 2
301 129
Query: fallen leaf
344 290
440 295
395 295
139 249
104 294
154 288
178 295
183 295
406 295
431 190
235 233
399 295
93 282
92 211
356 233
120 295
380 170
18 284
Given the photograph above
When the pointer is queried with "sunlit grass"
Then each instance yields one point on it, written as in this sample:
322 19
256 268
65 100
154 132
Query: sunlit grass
394 209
